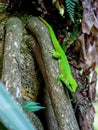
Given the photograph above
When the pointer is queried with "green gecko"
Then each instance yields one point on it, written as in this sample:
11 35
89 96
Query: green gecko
65 75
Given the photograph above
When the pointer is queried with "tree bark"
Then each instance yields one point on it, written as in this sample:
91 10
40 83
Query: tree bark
49 122
12 65
11 75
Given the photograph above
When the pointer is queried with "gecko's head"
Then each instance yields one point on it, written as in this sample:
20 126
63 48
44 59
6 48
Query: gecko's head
71 84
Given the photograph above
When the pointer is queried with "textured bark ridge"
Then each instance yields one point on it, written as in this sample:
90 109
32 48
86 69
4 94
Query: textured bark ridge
59 97
11 75
50 122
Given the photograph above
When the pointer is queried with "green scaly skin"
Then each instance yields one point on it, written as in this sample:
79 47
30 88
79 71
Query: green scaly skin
65 75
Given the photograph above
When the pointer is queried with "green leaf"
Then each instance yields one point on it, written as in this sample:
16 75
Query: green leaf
32 106
29 103
11 114
70 5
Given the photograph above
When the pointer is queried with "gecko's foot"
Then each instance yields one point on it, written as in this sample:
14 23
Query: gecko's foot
55 54
59 83
52 51
59 80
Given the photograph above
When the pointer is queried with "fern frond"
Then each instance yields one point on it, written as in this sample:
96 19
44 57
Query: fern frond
70 5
